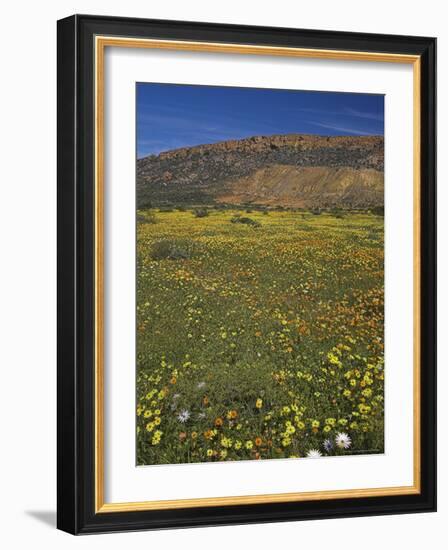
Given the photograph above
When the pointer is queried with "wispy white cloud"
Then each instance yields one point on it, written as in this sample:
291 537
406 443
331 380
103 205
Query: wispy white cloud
336 128
363 114
344 112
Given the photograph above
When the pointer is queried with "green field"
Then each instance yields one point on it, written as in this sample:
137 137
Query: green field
259 340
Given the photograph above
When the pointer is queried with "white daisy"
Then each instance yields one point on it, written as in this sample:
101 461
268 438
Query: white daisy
343 440
328 445
201 385
313 453
183 416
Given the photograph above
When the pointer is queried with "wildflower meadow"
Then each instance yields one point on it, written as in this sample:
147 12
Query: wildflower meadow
258 339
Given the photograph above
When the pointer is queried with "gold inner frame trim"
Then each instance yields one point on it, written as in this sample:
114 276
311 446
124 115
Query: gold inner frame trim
101 42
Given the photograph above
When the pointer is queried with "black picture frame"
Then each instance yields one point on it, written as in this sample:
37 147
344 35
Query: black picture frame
76 254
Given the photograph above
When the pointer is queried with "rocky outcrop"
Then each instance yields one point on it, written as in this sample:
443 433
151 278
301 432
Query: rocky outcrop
287 170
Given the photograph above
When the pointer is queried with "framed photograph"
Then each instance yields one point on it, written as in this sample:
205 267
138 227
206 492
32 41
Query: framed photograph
246 274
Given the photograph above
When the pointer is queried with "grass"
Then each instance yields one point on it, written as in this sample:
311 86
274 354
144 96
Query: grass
259 343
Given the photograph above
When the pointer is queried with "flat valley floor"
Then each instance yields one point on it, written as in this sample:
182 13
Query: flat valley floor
259 335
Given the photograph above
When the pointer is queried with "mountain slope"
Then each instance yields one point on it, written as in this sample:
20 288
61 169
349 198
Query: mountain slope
288 170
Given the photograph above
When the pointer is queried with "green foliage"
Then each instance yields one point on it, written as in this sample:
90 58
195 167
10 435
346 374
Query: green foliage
338 214
168 250
148 217
200 212
378 210
245 221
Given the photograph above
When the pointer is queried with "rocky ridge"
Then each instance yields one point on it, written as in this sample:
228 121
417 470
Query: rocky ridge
287 170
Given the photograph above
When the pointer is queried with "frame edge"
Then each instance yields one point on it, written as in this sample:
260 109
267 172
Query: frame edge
67 454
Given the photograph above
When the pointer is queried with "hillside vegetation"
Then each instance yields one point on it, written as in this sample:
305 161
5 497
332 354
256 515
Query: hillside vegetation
288 170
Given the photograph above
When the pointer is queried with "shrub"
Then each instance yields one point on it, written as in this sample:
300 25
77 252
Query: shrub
245 221
337 213
378 210
200 212
149 217
169 250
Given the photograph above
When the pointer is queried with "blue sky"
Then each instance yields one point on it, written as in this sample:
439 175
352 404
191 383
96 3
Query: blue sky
170 116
